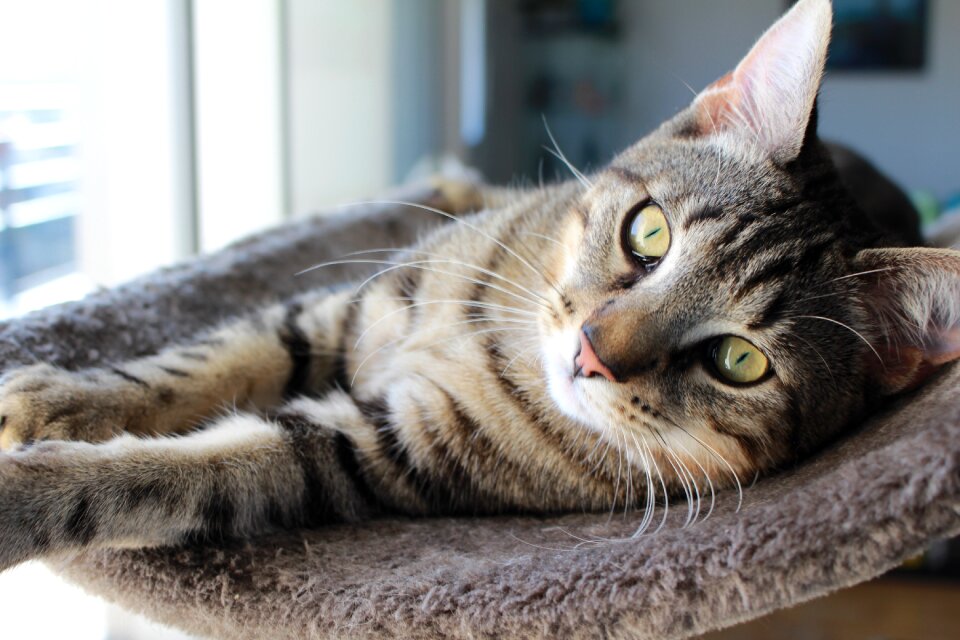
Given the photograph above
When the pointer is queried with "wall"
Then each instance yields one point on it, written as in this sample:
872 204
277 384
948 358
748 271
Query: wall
908 123
339 100
238 111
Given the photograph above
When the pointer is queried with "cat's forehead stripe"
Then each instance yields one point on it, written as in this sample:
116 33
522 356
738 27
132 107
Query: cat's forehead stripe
703 214
772 312
773 269
628 176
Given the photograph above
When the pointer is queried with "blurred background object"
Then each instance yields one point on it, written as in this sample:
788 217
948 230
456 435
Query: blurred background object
137 134
879 34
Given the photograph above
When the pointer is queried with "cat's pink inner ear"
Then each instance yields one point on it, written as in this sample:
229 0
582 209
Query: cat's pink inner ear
914 295
767 101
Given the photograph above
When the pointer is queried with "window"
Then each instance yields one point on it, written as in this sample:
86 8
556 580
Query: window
38 187
39 160
95 188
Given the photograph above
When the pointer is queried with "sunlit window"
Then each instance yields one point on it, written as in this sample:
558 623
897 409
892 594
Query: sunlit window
89 195
39 157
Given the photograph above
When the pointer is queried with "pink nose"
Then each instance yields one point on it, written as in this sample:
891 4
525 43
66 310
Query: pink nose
588 364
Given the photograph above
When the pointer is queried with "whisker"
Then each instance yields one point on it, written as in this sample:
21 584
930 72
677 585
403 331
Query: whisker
713 452
420 264
482 317
687 490
472 334
663 485
650 503
598 440
823 295
472 227
631 492
559 156
489 319
850 275
713 125
616 484
447 259
425 303
514 358
863 273
848 328
563 158
479 304
404 337
542 237
623 468
706 477
685 470
602 457
819 355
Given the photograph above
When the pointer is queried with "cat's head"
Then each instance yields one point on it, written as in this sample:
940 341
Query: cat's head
724 293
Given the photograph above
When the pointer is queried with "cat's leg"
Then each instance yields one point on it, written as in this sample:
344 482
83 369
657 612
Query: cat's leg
241 476
254 362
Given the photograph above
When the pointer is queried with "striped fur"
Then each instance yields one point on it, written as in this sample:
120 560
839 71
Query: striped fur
446 384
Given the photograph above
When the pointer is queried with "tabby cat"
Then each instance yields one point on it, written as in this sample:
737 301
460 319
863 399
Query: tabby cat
711 305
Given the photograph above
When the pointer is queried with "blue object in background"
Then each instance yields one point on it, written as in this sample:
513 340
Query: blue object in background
596 13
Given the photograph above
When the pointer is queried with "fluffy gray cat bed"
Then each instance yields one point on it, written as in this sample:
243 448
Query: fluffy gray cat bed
847 515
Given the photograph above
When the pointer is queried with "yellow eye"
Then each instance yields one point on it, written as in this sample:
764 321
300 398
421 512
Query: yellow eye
739 361
649 233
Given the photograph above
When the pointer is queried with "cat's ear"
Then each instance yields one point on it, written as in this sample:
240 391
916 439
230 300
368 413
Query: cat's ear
914 296
768 100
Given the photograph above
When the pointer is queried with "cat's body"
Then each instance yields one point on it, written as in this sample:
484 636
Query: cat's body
551 353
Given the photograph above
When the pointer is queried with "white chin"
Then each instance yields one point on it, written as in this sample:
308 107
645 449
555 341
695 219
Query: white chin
560 383
563 393
568 398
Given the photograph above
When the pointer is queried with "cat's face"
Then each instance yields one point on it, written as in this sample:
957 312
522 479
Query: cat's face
708 272
732 325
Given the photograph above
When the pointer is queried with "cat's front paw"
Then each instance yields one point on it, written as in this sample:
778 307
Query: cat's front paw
42 402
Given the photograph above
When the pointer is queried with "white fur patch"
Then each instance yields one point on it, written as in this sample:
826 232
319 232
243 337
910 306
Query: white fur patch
237 430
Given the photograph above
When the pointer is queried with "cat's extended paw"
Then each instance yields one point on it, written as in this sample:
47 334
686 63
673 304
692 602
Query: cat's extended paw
42 402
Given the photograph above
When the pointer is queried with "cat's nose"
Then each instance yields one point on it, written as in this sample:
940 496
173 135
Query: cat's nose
587 363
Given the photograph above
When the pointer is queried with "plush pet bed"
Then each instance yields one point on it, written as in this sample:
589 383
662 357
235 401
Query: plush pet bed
847 515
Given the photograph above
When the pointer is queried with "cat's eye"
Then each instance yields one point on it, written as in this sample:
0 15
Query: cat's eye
649 235
739 361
